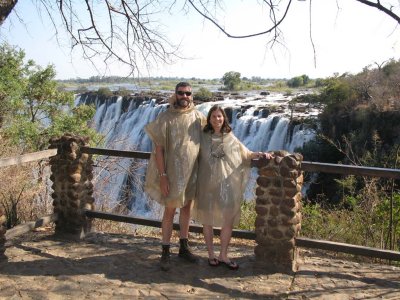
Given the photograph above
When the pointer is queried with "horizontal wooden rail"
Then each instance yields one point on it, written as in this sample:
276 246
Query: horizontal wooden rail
250 235
305 165
120 153
29 226
16 160
347 248
348 169
243 234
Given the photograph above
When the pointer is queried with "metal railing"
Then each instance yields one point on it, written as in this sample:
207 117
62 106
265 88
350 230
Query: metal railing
300 241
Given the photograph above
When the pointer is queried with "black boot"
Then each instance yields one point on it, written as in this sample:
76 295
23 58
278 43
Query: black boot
165 262
184 251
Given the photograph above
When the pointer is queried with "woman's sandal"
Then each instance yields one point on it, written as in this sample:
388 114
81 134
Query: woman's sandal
231 265
213 262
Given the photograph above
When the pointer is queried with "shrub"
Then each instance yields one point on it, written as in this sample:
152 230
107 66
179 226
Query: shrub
203 94
104 92
248 215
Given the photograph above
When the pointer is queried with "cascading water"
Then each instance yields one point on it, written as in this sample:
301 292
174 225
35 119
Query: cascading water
261 123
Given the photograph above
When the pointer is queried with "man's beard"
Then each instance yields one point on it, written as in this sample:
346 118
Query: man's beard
182 103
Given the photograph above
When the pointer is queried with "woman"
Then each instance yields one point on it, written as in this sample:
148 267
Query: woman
224 167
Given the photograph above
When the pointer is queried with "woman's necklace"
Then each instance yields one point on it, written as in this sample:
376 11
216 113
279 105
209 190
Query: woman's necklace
217 148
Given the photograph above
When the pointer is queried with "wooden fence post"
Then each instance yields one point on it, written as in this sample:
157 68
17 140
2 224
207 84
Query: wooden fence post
72 172
278 207
3 229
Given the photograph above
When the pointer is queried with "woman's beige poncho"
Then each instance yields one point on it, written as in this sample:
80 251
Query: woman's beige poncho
178 131
221 181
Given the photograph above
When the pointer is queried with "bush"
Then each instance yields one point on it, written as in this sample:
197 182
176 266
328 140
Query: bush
104 92
202 94
24 192
248 215
296 82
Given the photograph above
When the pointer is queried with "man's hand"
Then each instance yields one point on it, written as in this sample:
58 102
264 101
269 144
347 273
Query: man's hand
164 185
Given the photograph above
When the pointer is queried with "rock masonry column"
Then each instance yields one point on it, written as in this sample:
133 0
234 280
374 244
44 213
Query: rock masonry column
72 172
278 207
3 230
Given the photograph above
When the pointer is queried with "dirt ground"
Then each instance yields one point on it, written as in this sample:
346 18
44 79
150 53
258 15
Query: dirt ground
123 266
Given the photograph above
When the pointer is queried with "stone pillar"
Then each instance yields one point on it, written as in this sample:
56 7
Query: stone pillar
3 229
278 207
72 187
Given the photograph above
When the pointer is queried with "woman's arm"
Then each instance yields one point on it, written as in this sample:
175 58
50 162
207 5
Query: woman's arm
258 155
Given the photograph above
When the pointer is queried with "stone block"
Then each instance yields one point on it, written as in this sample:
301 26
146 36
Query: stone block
289 183
263 181
262 200
259 221
275 192
276 200
259 191
261 210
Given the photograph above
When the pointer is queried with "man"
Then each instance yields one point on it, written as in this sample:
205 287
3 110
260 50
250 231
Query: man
172 170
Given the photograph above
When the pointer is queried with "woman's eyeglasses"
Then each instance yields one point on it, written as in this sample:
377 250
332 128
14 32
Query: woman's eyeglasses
181 93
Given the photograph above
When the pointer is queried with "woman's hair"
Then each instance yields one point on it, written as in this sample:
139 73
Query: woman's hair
226 128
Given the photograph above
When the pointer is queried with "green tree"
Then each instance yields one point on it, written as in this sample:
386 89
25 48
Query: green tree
33 106
231 80
306 79
11 68
295 82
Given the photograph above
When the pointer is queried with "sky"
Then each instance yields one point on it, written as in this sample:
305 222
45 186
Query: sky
347 36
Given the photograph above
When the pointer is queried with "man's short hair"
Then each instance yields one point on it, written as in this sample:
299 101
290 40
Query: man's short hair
182 84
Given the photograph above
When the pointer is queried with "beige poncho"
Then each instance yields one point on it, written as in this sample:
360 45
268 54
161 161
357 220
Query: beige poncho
221 181
178 131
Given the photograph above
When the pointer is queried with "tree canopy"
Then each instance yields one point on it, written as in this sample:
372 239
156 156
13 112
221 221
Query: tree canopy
130 32
32 108
231 80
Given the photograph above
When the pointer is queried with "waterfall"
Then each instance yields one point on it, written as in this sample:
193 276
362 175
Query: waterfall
122 123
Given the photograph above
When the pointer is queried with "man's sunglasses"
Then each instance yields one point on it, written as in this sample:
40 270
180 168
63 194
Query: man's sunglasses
181 93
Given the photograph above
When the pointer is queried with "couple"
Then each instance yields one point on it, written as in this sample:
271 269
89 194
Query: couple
200 159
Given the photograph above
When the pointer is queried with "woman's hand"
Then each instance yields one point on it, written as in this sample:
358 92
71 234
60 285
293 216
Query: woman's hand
268 155
258 155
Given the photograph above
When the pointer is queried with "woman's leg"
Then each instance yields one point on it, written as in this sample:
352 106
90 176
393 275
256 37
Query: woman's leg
226 233
208 232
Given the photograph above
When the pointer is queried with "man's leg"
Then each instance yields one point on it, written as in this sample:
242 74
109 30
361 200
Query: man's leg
184 219
167 223
166 231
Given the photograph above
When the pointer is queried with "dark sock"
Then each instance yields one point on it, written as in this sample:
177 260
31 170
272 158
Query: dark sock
165 248
184 244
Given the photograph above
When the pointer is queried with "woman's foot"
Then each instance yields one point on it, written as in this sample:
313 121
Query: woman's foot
213 262
230 264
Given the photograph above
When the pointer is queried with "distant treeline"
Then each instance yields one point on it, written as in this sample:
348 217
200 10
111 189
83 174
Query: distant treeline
135 80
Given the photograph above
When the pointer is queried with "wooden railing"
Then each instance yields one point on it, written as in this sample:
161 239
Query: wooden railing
30 157
300 241
305 165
